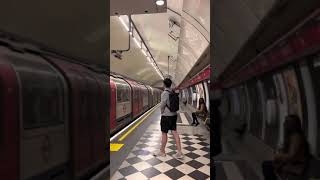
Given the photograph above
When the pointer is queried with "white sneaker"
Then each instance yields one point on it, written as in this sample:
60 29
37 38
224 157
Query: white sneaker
179 155
159 154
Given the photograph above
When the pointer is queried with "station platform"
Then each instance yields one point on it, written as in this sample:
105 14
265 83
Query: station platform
132 150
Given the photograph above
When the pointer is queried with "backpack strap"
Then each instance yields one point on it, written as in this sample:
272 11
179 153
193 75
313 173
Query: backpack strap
169 100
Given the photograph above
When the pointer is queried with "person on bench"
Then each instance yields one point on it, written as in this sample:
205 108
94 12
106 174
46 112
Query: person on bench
202 111
293 158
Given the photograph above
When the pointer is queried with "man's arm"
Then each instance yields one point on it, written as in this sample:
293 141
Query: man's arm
163 102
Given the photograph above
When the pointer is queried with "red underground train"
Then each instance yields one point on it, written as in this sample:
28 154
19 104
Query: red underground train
53 116
129 99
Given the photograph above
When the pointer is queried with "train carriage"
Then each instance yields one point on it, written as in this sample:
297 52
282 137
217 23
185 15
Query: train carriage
87 144
121 102
36 115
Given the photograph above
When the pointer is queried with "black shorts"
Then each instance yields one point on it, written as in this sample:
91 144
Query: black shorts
168 123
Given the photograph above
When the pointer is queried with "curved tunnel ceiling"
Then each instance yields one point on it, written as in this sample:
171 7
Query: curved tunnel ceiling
181 35
233 24
73 28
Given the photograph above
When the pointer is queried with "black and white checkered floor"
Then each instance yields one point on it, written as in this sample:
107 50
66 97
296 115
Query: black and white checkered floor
141 164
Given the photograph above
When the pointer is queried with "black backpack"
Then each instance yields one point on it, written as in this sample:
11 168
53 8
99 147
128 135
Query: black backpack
174 101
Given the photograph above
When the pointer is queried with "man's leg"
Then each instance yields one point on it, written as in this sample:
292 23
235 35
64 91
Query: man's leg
194 118
163 142
177 139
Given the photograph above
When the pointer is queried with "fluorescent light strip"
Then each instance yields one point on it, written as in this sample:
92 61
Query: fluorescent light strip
144 52
124 24
136 41
139 45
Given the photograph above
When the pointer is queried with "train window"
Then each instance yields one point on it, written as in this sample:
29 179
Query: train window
123 93
41 93
42 102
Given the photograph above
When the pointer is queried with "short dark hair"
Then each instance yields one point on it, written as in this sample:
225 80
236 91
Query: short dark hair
167 82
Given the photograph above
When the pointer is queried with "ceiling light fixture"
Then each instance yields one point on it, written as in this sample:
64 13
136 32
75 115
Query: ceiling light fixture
146 52
160 2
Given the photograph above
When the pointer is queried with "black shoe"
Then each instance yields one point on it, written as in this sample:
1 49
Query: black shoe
197 124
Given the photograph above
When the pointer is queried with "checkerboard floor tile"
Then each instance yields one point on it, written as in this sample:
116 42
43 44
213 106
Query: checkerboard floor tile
141 164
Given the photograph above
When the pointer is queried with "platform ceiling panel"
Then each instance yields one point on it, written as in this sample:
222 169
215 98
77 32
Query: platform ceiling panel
154 29
133 64
181 35
234 22
75 28
194 36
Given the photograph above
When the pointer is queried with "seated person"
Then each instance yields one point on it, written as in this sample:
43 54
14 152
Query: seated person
293 158
202 110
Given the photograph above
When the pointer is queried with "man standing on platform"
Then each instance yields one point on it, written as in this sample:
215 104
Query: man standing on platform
169 105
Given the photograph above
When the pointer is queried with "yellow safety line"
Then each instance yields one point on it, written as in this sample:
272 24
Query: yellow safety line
136 125
115 147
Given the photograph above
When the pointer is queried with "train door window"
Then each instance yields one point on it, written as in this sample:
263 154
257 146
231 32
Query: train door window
122 93
42 95
119 92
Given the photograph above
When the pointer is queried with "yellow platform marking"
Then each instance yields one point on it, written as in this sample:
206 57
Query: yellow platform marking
115 147
136 125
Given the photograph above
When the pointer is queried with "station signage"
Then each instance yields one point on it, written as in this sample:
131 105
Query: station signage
304 41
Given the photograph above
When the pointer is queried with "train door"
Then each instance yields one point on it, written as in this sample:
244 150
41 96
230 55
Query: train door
311 106
141 94
113 101
271 122
316 81
43 115
135 100
145 98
